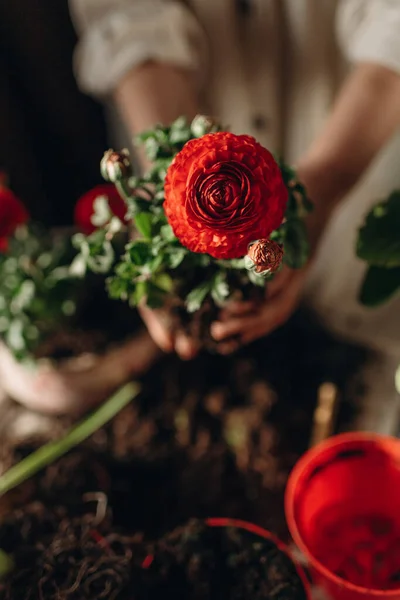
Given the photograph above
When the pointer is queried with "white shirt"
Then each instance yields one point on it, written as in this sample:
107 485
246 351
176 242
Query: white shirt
270 68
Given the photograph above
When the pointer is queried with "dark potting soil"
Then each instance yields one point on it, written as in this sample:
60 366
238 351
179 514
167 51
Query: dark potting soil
216 436
69 558
61 557
88 331
223 563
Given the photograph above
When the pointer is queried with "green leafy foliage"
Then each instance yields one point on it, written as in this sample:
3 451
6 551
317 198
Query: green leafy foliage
143 222
39 293
197 295
153 264
378 244
379 238
292 234
379 285
294 239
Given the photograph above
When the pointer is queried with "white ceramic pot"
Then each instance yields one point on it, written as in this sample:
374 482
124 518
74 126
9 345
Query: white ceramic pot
78 384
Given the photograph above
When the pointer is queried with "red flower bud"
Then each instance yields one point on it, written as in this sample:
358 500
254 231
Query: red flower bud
266 255
115 166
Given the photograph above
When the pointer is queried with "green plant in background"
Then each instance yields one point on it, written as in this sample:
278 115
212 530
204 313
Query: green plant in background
378 245
38 292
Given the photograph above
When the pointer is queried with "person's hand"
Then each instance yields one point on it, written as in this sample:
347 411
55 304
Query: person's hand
243 322
240 323
164 332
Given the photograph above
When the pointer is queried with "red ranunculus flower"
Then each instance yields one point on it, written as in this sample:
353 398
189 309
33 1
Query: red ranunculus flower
12 214
84 208
223 191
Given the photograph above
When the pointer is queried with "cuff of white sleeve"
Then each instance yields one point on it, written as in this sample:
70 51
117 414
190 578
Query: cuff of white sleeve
378 39
124 39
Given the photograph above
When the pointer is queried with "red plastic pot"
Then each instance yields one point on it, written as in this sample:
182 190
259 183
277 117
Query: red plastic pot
343 510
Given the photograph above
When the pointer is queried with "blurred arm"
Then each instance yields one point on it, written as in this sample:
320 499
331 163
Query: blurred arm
155 93
365 116
367 111
149 55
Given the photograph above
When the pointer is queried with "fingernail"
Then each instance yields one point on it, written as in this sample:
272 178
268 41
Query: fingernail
216 330
187 354
185 348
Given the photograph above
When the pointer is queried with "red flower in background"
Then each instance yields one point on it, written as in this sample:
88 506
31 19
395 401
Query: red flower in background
223 191
12 214
84 208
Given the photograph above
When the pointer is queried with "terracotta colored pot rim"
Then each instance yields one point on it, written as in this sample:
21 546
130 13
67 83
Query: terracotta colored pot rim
298 469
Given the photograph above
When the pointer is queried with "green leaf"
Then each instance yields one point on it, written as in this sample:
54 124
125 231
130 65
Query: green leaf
126 270
236 263
379 285
78 266
143 222
379 239
156 262
142 137
15 337
96 250
24 296
139 293
102 262
180 136
160 195
256 279
115 225
151 147
202 260
79 240
164 282
295 243
136 204
139 252
196 297
179 124
220 289
118 288
176 257
288 172
155 296
167 233
102 212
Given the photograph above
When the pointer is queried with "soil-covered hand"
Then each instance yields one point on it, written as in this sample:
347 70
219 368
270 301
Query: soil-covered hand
165 333
243 322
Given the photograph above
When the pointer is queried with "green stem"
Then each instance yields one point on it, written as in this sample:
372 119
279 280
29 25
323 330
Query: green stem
6 563
128 195
53 450
124 190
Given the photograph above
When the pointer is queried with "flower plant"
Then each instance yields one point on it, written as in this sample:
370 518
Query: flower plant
214 215
39 292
